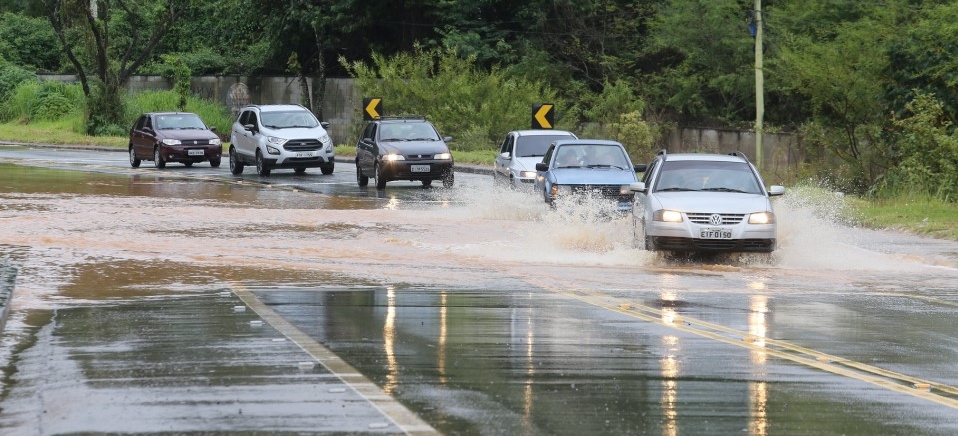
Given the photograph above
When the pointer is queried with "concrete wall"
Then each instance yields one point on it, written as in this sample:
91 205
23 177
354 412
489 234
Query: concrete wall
341 109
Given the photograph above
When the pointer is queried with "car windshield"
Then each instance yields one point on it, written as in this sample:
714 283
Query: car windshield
699 175
591 156
407 132
179 121
535 145
289 119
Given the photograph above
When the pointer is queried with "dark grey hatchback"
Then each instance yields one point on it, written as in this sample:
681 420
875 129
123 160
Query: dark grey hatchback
173 137
403 148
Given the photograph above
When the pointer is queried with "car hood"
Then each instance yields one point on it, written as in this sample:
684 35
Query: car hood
298 132
526 163
413 147
186 134
711 202
593 176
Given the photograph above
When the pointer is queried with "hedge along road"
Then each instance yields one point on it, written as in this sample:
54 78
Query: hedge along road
188 300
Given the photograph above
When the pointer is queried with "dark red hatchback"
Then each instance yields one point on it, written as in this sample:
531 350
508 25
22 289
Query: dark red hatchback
173 137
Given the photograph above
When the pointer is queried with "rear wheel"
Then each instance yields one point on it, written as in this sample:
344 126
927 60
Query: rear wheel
380 180
261 167
134 161
158 161
361 179
236 167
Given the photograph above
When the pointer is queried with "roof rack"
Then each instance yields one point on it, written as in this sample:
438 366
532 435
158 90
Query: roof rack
739 154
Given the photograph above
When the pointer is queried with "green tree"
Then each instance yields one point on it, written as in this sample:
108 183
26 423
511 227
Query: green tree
29 42
104 52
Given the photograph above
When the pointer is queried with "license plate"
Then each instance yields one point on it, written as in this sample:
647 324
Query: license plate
304 154
715 234
419 168
195 152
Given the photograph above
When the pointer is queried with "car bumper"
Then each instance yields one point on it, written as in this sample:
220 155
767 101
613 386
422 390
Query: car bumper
686 236
416 170
300 160
191 153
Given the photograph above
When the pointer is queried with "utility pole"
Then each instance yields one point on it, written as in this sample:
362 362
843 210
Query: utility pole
759 84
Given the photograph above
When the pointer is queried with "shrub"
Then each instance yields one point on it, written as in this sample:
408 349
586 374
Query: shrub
12 76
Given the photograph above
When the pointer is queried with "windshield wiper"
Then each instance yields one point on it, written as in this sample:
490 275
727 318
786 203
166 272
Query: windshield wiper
675 188
723 189
422 139
605 166
391 139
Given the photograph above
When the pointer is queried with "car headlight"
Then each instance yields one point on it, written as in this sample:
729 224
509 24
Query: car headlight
324 139
272 150
668 216
443 156
761 218
527 174
393 157
560 190
625 190
272 140
216 141
172 141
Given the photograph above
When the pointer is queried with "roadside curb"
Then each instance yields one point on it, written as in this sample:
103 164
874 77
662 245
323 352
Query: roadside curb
462 168
8 278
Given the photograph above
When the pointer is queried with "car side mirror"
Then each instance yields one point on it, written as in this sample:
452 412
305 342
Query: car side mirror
325 124
447 138
505 155
637 187
640 168
775 190
249 127
212 128
542 166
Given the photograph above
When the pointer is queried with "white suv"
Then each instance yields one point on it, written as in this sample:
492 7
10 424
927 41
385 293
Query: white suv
280 136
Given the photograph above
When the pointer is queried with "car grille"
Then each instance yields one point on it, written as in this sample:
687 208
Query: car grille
724 218
688 244
607 191
195 142
415 157
303 145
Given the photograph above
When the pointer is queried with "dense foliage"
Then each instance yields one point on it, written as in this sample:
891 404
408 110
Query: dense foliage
857 80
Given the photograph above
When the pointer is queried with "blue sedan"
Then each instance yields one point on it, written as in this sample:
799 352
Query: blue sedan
595 167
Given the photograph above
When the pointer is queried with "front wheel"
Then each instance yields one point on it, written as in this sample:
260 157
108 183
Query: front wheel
380 180
158 161
134 161
328 168
261 167
215 163
448 179
236 167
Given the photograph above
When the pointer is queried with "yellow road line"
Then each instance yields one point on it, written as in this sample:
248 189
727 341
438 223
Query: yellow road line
913 386
409 422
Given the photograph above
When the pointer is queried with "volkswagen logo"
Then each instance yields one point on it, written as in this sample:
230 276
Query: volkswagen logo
715 219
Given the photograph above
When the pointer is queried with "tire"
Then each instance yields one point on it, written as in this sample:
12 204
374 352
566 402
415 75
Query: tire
448 179
328 168
158 161
426 183
134 161
188 164
261 167
299 171
236 167
361 179
380 180
215 163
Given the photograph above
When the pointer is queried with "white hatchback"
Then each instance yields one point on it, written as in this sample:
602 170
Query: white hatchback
520 152
704 203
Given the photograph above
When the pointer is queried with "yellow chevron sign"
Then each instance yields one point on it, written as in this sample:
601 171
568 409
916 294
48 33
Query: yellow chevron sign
543 116
372 108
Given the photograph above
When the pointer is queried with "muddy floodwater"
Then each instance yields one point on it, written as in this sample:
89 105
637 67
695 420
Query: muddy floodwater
172 303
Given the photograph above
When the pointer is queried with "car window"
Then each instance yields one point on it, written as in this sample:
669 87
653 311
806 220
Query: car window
535 145
719 176
507 145
288 119
548 156
149 123
368 132
140 122
649 172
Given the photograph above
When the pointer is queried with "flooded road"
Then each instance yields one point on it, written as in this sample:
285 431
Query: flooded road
191 301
